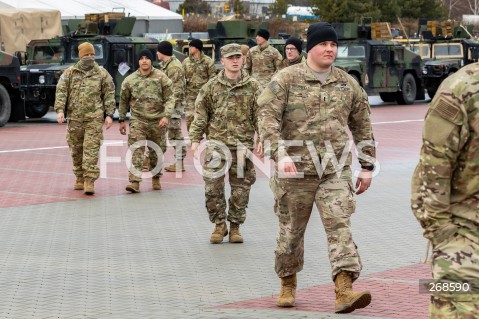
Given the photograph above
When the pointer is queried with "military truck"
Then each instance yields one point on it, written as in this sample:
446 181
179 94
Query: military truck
11 106
382 67
442 57
45 61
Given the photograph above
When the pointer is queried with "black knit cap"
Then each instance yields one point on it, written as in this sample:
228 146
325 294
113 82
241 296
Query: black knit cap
197 44
298 44
320 32
165 47
147 53
263 33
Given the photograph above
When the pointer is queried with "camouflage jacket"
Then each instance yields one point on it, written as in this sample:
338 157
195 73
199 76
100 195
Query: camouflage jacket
147 97
262 63
197 73
285 62
228 112
445 185
296 106
174 70
85 95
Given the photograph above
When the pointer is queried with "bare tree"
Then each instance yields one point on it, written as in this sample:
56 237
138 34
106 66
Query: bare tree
451 6
473 6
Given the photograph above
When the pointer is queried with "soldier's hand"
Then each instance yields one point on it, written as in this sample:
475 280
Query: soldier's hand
60 117
259 149
286 166
108 121
164 122
123 128
364 181
194 148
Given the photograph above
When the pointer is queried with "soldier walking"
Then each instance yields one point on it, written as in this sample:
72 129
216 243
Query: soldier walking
85 93
262 60
173 68
148 94
305 111
226 107
445 188
199 69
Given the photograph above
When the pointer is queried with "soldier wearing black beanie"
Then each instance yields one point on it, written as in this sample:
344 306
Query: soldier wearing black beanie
197 44
147 53
165 47
320 32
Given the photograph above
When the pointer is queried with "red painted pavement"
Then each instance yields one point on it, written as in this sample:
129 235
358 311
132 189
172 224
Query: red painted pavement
395 294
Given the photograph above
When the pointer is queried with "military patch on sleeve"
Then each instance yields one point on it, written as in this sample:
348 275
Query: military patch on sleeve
446 109
274 87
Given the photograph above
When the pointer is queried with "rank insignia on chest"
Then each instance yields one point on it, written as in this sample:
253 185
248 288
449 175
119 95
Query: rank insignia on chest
342 87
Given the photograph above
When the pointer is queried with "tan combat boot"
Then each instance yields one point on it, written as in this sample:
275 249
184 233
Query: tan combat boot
79 184
287 295
155 183
348 300
88 187
178 167
133 187
235 235
219 233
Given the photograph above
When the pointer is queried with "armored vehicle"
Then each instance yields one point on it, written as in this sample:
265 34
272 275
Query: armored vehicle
47 59
11 107
442 57
381 67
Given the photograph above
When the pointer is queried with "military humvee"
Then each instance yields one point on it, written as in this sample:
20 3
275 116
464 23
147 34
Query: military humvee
115 51
11 107
442 57
381 67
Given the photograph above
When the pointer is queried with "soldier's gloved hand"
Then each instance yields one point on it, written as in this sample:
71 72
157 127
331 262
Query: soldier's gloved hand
123 128
164 122
60 117
108 121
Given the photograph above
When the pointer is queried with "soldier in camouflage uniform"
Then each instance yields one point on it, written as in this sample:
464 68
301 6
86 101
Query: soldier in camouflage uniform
173 68
293 50
445 188
226 107
305 111
199 69
262 60
85 93
148 94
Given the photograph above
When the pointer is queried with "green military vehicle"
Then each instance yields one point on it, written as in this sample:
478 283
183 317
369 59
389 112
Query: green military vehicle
381 67
45 60
442 57
11 106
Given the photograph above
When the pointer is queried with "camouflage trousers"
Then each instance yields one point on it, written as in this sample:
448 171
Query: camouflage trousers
455 260
176 138
294 199
84 140
189 109
241 176
146 130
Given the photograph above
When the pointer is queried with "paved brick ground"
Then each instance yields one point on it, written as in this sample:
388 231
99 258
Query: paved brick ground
117 255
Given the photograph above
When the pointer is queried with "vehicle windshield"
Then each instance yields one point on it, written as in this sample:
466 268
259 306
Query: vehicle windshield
447 50
421 49
351 51
98 52
47 54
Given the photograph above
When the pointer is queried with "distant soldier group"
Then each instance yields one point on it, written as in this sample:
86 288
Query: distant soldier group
283 101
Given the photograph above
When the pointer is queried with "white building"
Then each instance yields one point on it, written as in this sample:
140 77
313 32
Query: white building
149 17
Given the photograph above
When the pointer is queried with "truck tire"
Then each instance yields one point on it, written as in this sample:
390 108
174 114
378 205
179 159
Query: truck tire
36 110
408 92
388 96
5 106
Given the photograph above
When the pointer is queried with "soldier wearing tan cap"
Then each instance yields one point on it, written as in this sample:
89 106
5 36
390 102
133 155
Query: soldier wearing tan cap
227 108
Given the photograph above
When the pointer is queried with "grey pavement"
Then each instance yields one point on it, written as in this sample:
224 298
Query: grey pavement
148 255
